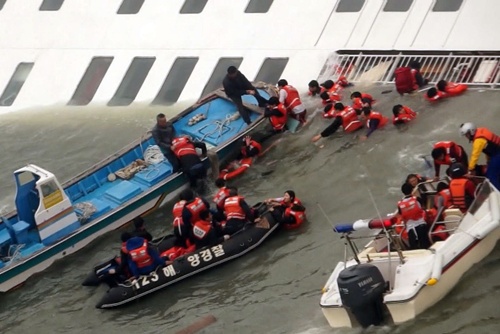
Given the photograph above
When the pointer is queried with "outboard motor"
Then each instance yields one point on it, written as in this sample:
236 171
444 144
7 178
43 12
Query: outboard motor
361 289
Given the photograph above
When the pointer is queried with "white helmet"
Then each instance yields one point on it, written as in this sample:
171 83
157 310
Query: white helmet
468 128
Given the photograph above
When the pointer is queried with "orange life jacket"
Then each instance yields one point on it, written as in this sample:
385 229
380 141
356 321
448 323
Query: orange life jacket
376 115
493 146
201 229
410 209
220 197
350 121
439 96
279 123
459 196
233 209
177 210
182 146
446 195
333 94
299 216
292 98
195 208
140 255
253 144
451 148
454 89
357 102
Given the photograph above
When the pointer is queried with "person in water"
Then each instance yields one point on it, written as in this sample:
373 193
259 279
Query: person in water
446 153
163 134
290 98
250 148
374 121
235 86
288 209
277 115
402 114
140 230
361 100
412 215
141 257
185 150
343 116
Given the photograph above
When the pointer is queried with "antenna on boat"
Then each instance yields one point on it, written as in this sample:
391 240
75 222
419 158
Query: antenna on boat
324 214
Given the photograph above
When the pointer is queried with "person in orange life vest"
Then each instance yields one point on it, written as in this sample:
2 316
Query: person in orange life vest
443 196
219 199
415 70
238 212
446 153
414 181
462 190
289 97
163 134
287 209
450 88
328 97
250 148
433 94
412 214
185 150
360 100
235 86
190 215
374 121
402 114
483 140
142 258
344 116
315 88
277 115
206 233
140 230
181 231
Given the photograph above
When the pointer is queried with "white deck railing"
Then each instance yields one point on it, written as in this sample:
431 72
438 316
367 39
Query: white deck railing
468 69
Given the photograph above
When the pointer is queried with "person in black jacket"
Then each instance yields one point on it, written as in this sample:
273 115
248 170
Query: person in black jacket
235 86
163 133
140 230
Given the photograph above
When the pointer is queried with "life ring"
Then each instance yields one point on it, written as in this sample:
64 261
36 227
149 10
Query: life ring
454 89
235 168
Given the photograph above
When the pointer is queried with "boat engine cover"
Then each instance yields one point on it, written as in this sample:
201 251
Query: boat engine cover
361 289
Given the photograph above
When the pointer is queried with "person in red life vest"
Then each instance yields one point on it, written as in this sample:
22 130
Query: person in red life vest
206 233
409 79
250 148
374 121
290 99
402 114
416 182
433 94
344 116
462 190
446 153
163 134
287 209
185 150
277 115
443 196
140 230
237 211
315 88
450 88
142 258
235 86
219 199
483 140
412 214
360 100
190 215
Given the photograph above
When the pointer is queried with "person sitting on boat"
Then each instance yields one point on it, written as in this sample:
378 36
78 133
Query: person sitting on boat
292 211
361 100
413 215
343 116
191 214
163 134
483 140
462 189
219 199
402 114
415 181
446 153
277 115
140 230
250 148
289 97
123 270
238 212
443 196
235 86
374 121
142 258
206 232
185 150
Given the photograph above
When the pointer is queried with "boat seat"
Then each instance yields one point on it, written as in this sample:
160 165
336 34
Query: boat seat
452 217
100 206
21 231
27 251
122 192
153 174
5 238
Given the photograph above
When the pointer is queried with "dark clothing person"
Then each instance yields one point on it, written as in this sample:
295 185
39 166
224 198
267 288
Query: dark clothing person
142 233
373 125
142 258
187 215
332 128
207 233
238 212
193 166
418 237
235 86
163 138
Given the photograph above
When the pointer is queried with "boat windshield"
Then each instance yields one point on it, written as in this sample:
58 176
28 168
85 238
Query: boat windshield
482 193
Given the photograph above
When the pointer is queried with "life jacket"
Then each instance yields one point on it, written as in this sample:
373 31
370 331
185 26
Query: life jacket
299 216
454 89
182 146
376 115
140 255
451 148
350 121
358 102
220 197
439 96
446 195
410 209
201 229
459 197
195 208
253 144
233 209
333 95
178 207
404 80
292 98
493 146
279 123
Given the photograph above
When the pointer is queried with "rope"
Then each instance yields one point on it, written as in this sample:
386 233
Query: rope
87 209
16 254
153 155
219 125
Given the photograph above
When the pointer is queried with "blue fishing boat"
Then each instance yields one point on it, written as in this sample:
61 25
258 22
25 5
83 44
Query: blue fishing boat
53 220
